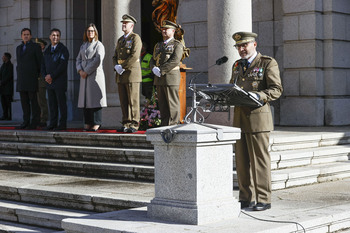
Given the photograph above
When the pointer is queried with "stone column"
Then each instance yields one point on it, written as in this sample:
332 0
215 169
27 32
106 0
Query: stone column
193 174
112 12
225 17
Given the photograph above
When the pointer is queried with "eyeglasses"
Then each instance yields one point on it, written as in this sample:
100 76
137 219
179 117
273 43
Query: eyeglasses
244 45
90 30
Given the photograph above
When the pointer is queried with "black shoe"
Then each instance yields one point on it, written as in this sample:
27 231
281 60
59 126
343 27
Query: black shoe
131 130
247 204
22 126
3 118
262 206
94 130
50 127
122 129
60 127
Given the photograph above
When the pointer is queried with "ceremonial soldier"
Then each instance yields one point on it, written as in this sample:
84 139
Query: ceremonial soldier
165 65
259 75
127 64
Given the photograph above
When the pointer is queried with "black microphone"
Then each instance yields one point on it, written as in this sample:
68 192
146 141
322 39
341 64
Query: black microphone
221 61
218 62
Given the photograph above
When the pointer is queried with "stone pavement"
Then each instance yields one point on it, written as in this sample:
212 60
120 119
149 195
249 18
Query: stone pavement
322 207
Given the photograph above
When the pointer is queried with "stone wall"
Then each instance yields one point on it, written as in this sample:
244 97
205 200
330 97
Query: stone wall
316 37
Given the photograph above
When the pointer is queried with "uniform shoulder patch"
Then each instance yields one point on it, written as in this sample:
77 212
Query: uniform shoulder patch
266 57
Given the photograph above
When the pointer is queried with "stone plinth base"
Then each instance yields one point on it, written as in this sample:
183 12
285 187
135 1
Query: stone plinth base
193 173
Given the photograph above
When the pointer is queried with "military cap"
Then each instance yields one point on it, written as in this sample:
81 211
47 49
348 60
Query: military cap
40 41
244 37
128 18
168 24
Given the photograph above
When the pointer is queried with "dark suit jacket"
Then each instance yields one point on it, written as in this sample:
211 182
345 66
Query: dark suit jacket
6 78
28 66
56 63
167 58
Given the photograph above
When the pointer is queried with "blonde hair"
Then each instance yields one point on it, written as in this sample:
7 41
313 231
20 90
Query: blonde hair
85 38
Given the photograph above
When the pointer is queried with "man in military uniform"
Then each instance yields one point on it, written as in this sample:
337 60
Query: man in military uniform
127 64
165 65
259 75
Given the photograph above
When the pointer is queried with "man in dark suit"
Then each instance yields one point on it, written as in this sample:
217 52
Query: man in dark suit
259 75
6 86
29 58
165 64
127 64
54 72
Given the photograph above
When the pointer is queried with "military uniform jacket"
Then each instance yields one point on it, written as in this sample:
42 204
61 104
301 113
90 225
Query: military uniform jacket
28 66
167 58
263 78
127 54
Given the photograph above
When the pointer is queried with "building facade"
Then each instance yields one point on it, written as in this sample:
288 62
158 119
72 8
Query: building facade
310 40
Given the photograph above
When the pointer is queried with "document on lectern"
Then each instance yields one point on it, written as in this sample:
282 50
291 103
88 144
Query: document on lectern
242 98
227 94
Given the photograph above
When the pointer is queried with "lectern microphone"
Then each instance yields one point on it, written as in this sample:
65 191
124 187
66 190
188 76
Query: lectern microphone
218 62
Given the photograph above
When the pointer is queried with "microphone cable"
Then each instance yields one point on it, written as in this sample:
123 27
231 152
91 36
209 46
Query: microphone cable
274 221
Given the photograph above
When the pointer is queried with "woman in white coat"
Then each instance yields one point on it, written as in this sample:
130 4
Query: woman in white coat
92 91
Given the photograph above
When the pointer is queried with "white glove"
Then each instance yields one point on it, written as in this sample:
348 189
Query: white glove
256 96
156 71
119 69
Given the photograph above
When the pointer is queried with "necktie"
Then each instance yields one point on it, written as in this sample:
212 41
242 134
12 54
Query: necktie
52 49
244 64
24 48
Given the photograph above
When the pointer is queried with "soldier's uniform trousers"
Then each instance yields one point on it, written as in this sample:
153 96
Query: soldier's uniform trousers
130 103
253 164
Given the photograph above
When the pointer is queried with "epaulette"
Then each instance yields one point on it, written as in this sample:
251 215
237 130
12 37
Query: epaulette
266 57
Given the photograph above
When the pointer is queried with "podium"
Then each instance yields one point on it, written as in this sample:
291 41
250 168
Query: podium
182 91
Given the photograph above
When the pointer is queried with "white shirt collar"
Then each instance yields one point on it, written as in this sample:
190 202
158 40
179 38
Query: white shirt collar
250 60
126 36
167 41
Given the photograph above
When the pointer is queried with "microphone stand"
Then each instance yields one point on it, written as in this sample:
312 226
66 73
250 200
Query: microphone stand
194 110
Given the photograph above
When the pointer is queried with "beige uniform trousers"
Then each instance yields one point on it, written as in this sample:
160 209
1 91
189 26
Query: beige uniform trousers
253 165
169 104
129 96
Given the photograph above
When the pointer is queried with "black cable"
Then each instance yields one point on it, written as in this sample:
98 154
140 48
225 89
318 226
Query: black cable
275 221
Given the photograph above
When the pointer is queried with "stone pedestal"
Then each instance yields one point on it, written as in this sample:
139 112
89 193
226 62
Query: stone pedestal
193 173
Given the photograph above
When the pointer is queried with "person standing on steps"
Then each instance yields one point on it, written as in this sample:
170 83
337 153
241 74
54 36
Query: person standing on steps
29 57
165 65
92 90
259 75
6 87
127 65
54 72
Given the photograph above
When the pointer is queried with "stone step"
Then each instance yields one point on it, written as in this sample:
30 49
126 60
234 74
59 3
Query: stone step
74 192
77 138
285 138
79 153
37 215
82 168
297 176
11 227
304 157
